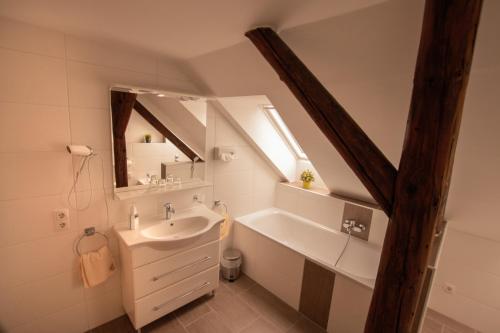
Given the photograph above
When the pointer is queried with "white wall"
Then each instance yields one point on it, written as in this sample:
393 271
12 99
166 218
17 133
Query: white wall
54 91
246 184
366 59
325 210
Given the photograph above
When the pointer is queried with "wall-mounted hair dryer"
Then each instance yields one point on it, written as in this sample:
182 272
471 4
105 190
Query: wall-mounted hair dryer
80 150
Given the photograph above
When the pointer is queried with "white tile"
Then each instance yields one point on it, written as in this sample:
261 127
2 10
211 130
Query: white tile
28 127
246 241
69 320
233 183
30 78
32 174
322 209
472 251
466 279
92 210
465 310
116 56
104 308
35 260
378 227
101 173
89 84
91 127
29 219
279 270
349 307
286 198
28 38
35 300
120 210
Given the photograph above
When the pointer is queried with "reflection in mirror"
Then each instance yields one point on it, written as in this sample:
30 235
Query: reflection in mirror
158 137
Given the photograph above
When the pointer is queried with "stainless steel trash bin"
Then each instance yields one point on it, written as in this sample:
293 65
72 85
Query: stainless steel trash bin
230 264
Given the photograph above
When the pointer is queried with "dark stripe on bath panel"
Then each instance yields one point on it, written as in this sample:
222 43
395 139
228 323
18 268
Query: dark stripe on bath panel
316 293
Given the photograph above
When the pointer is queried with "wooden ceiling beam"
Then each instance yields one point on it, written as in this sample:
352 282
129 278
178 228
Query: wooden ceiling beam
374 170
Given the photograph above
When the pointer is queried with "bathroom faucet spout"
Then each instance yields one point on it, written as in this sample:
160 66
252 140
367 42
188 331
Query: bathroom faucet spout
169 210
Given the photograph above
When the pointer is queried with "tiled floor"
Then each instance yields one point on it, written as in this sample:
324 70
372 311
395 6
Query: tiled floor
239 307
246 307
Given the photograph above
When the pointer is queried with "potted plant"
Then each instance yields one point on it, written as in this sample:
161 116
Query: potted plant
307 178
147 138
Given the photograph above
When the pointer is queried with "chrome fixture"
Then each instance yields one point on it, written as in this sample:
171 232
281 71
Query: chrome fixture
195 159
169 210
353 226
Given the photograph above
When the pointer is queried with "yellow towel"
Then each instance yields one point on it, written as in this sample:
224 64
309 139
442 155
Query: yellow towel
96 267
225 226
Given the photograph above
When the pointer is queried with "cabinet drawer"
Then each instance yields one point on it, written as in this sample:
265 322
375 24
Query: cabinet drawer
165 272
150 252
166 300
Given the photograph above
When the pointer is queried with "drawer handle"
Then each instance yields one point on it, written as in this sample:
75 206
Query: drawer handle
180 269
158 307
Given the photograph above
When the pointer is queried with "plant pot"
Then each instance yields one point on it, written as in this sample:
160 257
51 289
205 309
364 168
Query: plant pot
306 185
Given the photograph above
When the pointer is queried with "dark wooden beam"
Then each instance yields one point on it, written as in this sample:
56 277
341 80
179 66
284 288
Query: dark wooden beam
158 125
370 165
441 75
121 109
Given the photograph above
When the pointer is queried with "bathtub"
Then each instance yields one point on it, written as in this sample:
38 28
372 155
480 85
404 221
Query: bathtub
317 243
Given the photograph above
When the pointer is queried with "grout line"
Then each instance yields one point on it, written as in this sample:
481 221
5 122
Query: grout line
199 318
250 324
35 53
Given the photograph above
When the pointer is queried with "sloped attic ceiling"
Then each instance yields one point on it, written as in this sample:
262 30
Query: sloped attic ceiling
360 57
176 28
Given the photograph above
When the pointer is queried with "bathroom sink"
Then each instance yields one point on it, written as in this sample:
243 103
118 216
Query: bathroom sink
177 228
184 226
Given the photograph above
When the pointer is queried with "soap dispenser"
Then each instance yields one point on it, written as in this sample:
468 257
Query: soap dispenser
134 218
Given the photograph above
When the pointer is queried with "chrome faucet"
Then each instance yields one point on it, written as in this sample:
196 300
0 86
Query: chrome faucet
169 210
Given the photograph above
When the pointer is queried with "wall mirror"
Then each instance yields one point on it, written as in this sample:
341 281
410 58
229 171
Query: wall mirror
158 137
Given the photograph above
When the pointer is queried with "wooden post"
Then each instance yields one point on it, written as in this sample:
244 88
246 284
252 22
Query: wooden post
374 170
441 75
121 109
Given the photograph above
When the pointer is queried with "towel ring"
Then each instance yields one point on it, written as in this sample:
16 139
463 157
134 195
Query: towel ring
89 232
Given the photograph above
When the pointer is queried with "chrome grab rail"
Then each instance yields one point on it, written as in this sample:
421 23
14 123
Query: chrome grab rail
159 306
180 269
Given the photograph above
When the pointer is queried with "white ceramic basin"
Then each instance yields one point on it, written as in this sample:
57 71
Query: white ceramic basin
184 226
176 228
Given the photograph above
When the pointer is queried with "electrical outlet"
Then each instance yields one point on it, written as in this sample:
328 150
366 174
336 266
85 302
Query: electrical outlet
61 219
449 288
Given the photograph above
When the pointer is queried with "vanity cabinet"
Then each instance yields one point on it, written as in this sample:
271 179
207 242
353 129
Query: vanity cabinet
158 279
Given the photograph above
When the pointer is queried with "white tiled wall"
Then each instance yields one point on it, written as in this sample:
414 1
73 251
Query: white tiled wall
246 184
325 210
53 92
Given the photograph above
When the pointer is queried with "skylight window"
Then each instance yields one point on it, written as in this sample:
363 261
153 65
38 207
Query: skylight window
280 125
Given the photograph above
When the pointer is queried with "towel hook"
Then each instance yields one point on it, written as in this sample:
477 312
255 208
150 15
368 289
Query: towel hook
87 233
